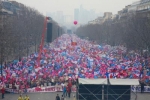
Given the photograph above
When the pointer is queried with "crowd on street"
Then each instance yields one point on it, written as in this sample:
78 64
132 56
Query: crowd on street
69 58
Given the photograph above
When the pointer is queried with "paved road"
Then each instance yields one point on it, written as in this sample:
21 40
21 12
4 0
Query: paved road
51 96
37 96
141 96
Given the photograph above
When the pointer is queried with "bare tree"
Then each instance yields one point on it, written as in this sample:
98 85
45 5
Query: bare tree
132 31
20 33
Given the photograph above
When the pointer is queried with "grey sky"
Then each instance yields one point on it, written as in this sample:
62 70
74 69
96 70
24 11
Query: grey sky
67 6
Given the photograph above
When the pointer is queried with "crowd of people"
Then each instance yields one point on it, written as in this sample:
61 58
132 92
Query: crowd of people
69 57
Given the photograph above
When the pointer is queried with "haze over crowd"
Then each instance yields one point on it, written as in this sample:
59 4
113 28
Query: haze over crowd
67 7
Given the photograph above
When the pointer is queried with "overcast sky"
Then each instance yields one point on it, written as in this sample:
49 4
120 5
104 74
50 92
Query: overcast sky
67 6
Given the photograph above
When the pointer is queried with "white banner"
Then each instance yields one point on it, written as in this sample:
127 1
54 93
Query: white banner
40 89
59 88
138 88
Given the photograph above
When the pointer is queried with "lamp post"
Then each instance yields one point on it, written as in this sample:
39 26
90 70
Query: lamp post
19 44
61 31
35 43
58 31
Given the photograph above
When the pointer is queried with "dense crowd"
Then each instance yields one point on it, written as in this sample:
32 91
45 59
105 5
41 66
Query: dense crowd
69 58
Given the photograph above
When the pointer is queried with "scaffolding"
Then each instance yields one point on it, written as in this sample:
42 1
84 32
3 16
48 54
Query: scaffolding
106 89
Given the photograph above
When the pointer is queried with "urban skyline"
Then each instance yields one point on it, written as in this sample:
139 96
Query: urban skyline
65 8
79 16
68 6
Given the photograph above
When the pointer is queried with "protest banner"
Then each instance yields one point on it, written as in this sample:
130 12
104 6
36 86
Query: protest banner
40 89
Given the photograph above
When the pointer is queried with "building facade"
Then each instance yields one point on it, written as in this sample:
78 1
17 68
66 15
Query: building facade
76 14
133 6
144 5
101 20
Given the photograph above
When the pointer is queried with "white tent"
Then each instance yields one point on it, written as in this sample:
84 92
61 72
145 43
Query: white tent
124 81
92 81
112 81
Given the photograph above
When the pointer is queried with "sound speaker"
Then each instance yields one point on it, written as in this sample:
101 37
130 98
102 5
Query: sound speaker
49 33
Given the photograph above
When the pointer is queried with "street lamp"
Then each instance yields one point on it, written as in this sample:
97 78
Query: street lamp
58 31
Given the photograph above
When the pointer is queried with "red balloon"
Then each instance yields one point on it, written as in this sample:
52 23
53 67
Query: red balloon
75 22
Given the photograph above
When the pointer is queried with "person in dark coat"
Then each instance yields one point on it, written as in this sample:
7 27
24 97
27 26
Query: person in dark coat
142 86
62 97
69 91
57 97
